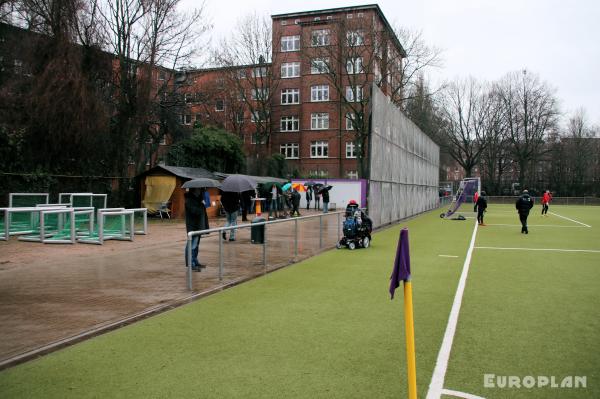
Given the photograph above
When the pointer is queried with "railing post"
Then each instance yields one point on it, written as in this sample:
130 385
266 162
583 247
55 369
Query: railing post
265 248
221 255
338 227
295 238
320 231
189 262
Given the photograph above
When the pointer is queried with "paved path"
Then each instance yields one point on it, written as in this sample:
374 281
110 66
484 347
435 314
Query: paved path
50 293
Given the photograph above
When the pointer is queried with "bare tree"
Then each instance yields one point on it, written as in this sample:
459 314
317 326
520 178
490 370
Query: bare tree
146 36
467 112
420 58
247 55
530 111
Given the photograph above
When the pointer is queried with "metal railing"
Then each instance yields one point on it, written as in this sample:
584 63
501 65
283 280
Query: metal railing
294 220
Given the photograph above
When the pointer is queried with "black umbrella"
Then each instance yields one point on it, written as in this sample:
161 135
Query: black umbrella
238 183
310 184
324 188
201 182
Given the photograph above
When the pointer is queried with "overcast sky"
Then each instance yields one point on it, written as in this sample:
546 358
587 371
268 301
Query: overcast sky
559 40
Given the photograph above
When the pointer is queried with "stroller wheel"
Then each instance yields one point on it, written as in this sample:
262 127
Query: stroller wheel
366 242
338 245
351 245
442 215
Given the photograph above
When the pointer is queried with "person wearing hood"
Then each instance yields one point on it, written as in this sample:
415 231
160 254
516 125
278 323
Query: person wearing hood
524 204
195 219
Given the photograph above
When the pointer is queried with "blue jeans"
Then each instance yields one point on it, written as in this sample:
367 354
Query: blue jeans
273 207
195 245
231 220
325 207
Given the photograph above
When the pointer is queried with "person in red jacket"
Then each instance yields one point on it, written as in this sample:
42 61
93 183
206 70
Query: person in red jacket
546 198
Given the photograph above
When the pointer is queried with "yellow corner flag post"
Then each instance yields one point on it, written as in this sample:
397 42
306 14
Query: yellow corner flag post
401 272
409 326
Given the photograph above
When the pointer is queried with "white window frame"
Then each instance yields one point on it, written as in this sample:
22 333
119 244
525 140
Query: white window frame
290 43
319 66
239 116
319 93
260 94
354 65
349 124
352 174
253 117
253 139
259 72
189 98
319 121
350 150
354 94
290 150
355 38
291 96
217 105
290 70
319 149
289 124
320 37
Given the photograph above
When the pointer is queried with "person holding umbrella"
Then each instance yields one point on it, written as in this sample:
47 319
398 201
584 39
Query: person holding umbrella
274 201
195 219
295 202
308 197
231 203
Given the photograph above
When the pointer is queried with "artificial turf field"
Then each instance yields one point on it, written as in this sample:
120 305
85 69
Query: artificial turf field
326 328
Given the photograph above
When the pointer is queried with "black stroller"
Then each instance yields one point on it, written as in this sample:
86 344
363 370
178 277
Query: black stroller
357 228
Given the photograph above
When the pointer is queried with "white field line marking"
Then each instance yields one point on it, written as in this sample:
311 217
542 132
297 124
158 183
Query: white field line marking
439 373
532 225
542 249
448 256
564 217
459 394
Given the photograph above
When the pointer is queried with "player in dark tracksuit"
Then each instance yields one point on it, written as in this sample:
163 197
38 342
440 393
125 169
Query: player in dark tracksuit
481 205
523 205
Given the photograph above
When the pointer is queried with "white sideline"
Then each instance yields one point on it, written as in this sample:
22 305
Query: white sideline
459 394
532 225
572 220
448 256
439 373
542 249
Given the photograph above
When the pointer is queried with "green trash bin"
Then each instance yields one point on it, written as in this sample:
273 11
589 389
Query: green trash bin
257 233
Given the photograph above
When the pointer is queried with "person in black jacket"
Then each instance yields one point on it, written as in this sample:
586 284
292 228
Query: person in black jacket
325 194
523 205
295 203
308 198
195 219
481 205
231 204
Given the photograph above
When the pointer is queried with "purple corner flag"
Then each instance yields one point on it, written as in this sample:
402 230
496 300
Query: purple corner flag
401 264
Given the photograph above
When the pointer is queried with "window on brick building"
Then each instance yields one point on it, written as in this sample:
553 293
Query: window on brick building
259 72
189 97
241 74
162 75
290 70
319 93
355 38
260 94
290 150
290 124
352 174
319 65
219 105
258 116
350 149
319 149
257 139
239 116
290 96
320 37
290 43
354 65
349 123
354 94
319 121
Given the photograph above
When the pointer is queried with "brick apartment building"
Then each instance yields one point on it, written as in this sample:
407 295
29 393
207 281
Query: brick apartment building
313 95
307 102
